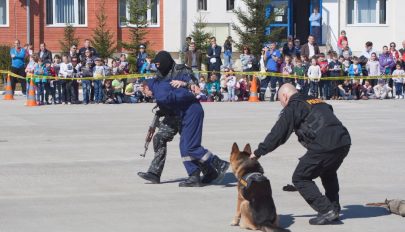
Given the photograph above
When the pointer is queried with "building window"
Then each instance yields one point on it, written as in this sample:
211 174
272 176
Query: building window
202 5
62 12
230 5
152 14
4 13
366 12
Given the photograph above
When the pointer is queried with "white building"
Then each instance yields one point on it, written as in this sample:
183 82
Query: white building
379 21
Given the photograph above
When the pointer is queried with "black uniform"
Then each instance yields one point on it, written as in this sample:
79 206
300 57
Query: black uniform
327 140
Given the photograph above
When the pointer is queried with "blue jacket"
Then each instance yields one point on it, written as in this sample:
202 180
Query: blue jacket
271 64
168 98
315 20
42 71
19 58
351 70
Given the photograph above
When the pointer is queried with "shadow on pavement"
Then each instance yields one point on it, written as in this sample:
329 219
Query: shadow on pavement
361 211
173 181
229 180
286 220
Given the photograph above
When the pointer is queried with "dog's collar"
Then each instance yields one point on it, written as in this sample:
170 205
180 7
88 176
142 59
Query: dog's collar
245 179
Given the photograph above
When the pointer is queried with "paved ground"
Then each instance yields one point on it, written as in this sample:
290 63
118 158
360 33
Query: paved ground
73 168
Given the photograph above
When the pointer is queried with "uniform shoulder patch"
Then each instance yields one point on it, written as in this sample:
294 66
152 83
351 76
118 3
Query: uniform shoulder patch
314 101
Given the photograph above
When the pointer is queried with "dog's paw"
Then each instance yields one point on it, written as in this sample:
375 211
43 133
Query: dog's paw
235 221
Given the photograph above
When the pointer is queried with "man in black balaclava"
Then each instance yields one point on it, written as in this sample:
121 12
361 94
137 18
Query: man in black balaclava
173 79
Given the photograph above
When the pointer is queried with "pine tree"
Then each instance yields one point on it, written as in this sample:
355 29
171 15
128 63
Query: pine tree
199 35
102 39
69 39
254 24
137 23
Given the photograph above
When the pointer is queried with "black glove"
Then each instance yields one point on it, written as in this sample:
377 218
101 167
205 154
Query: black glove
289 188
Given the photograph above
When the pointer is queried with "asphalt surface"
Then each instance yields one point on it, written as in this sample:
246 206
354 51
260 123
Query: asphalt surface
73 168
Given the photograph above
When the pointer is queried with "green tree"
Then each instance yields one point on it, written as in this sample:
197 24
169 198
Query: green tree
102 39
69 39
253 24
137 23
199 35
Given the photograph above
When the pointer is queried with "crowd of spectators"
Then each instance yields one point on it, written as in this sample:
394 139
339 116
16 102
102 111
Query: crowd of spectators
278 64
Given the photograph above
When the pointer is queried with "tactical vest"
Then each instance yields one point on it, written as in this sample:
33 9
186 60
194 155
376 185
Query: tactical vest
320 116
248 180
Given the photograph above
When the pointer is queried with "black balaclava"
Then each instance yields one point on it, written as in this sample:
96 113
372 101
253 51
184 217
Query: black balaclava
165 61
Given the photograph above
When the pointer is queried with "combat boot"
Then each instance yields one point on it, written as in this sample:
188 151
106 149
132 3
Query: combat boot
153 178
192 181
209 173
325 218
220 167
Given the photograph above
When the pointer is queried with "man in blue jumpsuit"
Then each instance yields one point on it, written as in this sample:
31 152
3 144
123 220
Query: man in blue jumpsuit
177 93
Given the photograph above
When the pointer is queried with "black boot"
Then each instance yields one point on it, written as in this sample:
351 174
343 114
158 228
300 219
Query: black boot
192 181
220 167
153 178
209 173
325 218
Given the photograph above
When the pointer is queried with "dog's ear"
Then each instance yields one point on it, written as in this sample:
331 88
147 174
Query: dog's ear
235 149
247 149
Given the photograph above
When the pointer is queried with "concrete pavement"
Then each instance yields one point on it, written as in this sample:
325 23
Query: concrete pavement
73 169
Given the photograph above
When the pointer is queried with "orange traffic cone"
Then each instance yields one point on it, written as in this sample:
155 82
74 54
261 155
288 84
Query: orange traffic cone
9 90
253 90
31 95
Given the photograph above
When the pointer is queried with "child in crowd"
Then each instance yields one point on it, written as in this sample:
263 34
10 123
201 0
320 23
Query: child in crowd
381 90
146 67
335 70
213 89
123 65
231 85
373 67
66 71
243 93
345 90
131 95
98 75
114 67
368 90
32 65
286 69
86 72
314 75
324 85
342 38
118 86
299 70
108 93
56 84
355 68
398 77
40 70
48 88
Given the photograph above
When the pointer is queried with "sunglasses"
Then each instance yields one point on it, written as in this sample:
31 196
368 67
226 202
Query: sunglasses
392 45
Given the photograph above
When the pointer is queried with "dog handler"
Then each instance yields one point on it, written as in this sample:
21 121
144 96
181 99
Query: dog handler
327 141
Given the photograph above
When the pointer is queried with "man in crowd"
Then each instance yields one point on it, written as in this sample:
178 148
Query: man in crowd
271 59
327 141
310 49
214 57
141 57
44 54
87 46
192 59
18 55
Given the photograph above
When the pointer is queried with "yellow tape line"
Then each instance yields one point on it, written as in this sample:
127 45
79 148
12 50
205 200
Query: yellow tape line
132 76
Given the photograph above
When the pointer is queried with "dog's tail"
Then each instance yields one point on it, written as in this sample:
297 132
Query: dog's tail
273 229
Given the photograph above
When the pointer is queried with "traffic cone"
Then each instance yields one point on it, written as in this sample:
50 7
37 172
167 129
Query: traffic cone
253 97
31 95
9 90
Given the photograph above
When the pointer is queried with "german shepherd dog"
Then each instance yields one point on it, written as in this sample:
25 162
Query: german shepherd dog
255 209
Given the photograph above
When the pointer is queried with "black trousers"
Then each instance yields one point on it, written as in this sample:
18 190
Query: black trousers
14 80
325 165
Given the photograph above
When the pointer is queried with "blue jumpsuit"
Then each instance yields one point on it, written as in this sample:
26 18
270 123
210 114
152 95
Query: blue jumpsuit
182 102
